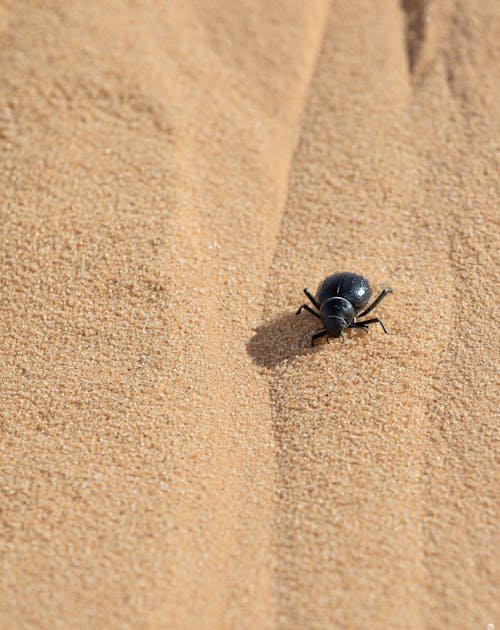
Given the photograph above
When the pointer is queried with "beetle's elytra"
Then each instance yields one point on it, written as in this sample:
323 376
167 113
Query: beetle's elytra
338 302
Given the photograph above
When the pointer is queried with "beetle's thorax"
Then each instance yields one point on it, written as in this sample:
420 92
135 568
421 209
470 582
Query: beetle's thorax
336 313
338 307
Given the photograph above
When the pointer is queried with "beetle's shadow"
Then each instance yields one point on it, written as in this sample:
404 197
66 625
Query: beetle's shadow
285 337
289 336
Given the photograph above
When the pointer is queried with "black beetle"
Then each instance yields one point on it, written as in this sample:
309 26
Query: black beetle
339 300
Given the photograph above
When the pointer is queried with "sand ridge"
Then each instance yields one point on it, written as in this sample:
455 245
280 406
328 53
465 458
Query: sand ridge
173 452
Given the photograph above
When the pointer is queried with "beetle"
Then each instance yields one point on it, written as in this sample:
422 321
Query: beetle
338 302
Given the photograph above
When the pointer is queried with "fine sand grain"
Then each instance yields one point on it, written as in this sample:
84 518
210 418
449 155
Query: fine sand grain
173 453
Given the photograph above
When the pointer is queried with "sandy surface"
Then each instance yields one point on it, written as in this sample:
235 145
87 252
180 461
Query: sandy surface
173 454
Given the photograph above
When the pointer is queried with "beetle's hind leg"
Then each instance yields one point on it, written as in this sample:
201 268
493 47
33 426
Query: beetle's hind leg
311 297
374 304
309 310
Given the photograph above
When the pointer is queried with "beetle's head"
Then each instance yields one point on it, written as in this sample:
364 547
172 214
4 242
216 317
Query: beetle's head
334 325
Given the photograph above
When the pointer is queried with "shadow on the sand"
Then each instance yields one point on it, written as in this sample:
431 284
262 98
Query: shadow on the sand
286 337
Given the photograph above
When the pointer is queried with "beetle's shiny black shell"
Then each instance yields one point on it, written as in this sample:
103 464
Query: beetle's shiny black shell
347 285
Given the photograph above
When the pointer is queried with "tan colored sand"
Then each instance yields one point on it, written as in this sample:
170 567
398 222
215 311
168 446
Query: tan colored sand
173 455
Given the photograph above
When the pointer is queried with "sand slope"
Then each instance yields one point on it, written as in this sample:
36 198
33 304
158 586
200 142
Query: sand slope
173 454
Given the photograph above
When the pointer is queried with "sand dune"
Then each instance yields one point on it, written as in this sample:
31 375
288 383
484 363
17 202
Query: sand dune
173 452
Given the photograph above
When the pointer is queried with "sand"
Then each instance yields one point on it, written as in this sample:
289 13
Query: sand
173 453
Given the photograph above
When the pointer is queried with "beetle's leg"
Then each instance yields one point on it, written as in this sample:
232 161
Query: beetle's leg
374 304
311 297
317 335
369 321
359 325
309 310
